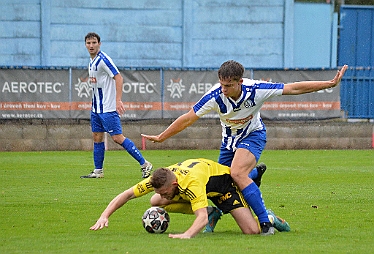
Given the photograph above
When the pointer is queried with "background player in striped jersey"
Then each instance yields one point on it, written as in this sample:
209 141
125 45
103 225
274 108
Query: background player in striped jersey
185 188
107 106
238 101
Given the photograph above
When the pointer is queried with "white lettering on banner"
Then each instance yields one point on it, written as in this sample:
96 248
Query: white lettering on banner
176 88
11 106
84 106
129 115
142 88
200 88
297 115
18 115
32 87
327 90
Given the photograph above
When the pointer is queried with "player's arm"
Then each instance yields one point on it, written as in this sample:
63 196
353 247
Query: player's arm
313 86
119 83
177 126
200 221
116 203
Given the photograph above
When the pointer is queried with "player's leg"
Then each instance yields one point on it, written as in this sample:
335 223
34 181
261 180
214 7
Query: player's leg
243 162
99 147
171 206
226 156
246 156
99 150
113 126
280 224
183 206
245 220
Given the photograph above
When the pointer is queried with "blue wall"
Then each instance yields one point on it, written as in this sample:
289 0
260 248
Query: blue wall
357 35
157 33
315 29
356 48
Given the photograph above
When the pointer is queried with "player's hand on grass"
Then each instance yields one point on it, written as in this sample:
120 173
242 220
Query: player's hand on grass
100 224
180 236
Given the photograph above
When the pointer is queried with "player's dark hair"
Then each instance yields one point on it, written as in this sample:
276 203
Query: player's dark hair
231 70
161 177
92 35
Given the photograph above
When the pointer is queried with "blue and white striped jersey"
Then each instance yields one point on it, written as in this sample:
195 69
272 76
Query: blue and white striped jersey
101 71
241 117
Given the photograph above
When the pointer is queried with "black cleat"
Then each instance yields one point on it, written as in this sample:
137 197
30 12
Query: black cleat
267 229
261 168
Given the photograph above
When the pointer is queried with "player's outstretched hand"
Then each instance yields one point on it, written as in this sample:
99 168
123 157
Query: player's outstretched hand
152 138
338 77
180 236
100 224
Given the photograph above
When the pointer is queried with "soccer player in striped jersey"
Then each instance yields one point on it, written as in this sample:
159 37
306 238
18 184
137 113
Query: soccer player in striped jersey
238 101
107 106
185 188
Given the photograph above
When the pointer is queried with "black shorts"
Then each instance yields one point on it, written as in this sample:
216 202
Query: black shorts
224 193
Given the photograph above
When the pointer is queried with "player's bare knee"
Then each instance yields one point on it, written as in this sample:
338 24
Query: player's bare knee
118 139
157 200
236 176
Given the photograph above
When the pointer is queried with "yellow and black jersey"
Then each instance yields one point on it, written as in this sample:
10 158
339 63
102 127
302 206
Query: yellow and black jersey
198 180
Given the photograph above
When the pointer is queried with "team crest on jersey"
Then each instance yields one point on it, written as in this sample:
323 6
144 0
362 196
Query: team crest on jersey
176 88
248 103
83 87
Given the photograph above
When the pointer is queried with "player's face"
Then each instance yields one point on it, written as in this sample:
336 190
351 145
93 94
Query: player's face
231 88
168 192
93 46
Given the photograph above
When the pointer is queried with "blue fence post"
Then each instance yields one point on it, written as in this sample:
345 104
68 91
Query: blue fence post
162 91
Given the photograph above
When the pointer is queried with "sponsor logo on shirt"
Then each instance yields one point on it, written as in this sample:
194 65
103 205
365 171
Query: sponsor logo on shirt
240 121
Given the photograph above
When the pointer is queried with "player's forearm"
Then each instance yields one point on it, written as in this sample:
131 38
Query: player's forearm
115 204
313 86
119 83
177 126
196 227
307 87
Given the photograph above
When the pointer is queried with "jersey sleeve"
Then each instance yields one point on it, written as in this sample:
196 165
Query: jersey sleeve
192 177
195 193
263 90
108 65
268 90
142 188
207 103
199 202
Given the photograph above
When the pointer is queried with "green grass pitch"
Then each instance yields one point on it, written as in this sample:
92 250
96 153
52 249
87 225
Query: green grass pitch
326 195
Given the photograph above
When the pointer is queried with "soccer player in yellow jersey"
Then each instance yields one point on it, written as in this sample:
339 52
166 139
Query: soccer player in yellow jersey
185 188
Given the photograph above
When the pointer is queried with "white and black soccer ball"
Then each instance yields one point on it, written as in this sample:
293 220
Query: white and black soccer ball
156 220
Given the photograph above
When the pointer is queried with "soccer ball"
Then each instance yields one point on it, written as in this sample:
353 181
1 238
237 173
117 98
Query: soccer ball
156 220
